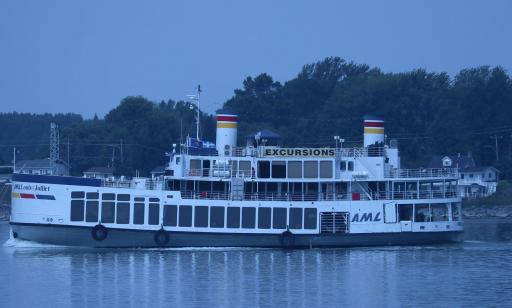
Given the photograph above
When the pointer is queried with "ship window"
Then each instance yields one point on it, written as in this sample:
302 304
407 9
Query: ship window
421 213
195 166
107 212
170 212
310 218
405 212
294 169
138 213
123 197
77 194
233 219
439 211
279 169
279 218
295 218
217 217
311 169
264 169
264 217
91 211
123 213
77 210
244 167
248 217
154 200
455 211
234 166
201 216
185 216
93 195
108 196
139 199
154 214
343 165
350 166
326 169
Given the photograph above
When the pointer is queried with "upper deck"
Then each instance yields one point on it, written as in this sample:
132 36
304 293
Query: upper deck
277 164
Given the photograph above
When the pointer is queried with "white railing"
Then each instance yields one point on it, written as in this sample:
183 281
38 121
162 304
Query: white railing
360 152
149 184
218 173
422 173
323 196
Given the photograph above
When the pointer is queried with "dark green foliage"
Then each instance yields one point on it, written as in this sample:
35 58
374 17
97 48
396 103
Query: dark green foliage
133 136
428 113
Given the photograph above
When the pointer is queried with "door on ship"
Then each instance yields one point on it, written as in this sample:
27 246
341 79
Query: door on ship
390 212
206 167
405 217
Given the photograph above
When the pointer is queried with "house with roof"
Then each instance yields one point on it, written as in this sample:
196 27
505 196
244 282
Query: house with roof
42 167
474 181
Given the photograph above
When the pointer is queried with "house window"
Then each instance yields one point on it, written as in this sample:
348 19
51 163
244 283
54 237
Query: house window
490 175
462 176
471 175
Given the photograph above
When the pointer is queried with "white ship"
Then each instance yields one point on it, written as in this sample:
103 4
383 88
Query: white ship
257 195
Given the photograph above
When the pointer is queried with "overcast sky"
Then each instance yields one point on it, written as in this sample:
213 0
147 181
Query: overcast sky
85 56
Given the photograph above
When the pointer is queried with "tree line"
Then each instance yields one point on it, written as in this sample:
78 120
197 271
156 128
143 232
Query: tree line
428 114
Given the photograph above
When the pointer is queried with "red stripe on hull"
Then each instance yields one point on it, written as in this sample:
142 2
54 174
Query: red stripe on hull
27 196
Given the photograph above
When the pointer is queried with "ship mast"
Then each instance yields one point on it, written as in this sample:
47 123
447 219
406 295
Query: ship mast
198 109
197 99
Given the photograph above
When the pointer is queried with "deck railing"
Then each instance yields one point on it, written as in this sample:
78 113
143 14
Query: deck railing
356 196
422 173
149 184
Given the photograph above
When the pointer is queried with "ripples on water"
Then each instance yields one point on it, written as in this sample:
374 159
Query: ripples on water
476 273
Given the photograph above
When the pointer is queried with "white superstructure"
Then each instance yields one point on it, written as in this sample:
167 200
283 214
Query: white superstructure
261 194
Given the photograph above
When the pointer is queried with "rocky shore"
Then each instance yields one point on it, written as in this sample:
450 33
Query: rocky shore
487 211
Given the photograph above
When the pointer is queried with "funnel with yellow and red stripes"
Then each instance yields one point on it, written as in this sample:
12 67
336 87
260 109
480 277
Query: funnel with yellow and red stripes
373 130
227 122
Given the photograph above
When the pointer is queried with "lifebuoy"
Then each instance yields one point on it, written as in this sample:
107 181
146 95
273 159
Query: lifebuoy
287 239
161 237
99 233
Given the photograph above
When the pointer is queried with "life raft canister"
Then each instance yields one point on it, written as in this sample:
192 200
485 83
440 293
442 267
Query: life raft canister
99 233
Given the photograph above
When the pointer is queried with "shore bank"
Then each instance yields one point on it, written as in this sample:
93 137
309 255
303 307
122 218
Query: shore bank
486 211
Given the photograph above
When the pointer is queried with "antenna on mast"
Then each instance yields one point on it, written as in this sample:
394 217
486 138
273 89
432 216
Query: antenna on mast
197 99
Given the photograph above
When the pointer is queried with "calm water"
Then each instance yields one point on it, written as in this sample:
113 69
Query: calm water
475 273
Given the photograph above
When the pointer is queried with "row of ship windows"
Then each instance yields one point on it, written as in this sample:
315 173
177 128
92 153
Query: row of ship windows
204 216
109 196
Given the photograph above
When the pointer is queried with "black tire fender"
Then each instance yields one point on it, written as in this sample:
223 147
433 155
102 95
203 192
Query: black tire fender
161 237
287 239
99 233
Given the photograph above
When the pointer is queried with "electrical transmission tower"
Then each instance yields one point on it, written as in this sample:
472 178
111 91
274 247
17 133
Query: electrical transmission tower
54 142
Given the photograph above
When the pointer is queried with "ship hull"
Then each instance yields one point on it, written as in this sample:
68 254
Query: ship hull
125 238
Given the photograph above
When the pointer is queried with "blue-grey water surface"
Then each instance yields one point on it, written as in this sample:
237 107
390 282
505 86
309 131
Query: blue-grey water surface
475 273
